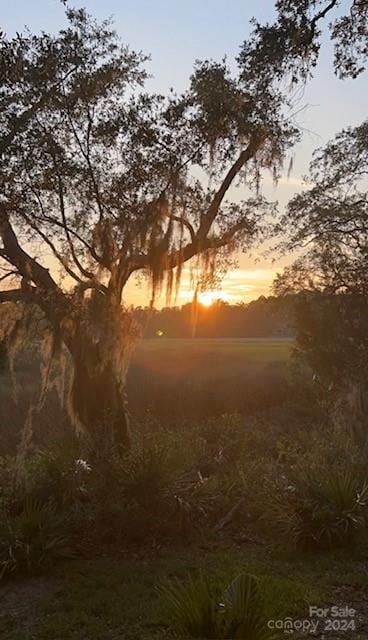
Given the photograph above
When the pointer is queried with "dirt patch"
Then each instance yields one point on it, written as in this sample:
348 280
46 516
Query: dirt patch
21 603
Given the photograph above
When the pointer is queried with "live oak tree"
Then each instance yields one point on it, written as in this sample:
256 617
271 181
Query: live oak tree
100 180
329 223
291 45
331 218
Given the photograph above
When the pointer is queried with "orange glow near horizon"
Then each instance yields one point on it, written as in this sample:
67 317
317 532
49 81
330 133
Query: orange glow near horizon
207 298
238 286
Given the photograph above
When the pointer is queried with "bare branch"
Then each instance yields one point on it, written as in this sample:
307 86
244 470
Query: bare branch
27 266
8 274
322 14
185 223
11 295
84 272
87 156
54 250
245 155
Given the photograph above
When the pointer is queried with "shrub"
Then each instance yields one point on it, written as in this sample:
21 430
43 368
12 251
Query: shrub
173 500
203 610
321 512
56 476
31 539
146 475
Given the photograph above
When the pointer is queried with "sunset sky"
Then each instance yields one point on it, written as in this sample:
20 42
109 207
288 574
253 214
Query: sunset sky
178 33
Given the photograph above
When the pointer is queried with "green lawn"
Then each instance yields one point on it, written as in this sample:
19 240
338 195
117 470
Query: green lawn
199 378
265 349
117 598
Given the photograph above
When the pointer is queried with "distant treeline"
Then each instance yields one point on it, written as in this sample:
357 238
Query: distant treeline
265 317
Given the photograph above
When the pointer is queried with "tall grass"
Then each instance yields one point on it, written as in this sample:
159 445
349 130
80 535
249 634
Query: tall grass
201 609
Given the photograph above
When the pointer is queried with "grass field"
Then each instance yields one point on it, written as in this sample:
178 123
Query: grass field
172 380
248 350
204 377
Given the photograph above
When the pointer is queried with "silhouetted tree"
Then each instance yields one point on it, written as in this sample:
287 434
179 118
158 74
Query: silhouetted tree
97 179
331 218
265 317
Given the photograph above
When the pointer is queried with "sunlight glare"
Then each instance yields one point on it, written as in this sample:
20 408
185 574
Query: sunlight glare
207 298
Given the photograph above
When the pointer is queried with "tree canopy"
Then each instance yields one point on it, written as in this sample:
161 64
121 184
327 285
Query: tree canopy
102 175
100 179
331 219
290 46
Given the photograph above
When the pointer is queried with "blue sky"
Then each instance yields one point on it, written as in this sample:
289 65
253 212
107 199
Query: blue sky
175 34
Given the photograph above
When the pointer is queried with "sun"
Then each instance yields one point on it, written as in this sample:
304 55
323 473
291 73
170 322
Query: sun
207 298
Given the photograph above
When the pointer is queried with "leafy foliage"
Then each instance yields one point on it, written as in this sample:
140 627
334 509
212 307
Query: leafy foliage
332 336
264 317
290 46
197 609
102 175
322 512
31 539
147 475
331 218
224 480
56 476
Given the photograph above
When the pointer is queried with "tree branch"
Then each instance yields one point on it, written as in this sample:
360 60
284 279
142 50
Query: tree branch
7 275
322 14
84 272
184 254
27 266
23 119
87 157
11 295
209 217
185 223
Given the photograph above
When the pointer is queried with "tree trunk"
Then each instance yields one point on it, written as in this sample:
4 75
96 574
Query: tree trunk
98 401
